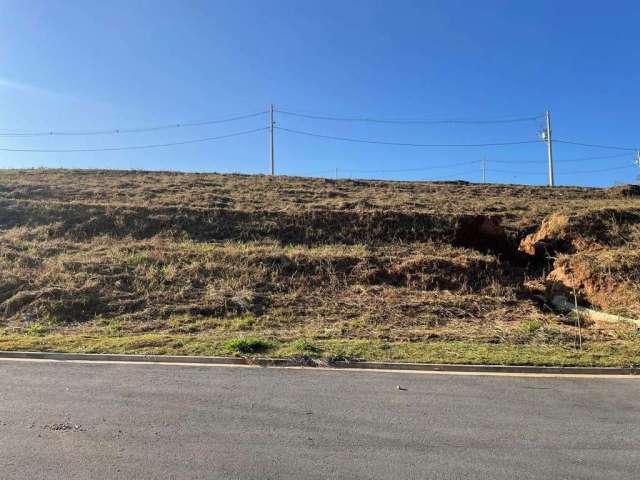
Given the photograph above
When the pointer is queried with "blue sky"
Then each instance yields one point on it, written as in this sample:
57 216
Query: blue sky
85 65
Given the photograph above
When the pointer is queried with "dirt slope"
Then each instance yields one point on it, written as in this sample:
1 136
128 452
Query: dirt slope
127 253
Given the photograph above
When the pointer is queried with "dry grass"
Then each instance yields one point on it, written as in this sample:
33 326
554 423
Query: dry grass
521 206
308 266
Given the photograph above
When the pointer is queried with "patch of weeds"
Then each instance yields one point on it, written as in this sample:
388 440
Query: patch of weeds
555 336
188 328
338 357
337 351
530 326
552 334
183 324
37 329
145 342
101 321
138 258
248 345
300 348
352 327
243 323
169 272
115 328
51 314
628 334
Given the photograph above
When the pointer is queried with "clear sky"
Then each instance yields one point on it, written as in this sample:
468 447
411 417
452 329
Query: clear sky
87 65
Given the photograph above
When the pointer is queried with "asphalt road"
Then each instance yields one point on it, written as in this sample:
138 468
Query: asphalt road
88 421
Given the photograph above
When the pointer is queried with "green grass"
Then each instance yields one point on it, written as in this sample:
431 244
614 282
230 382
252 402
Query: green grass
622 354
530 326
37 329
300 348
247 345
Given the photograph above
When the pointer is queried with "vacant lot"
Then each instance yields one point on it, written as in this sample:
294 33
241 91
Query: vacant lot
147 262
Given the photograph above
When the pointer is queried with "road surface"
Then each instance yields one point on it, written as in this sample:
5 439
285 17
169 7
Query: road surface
108 421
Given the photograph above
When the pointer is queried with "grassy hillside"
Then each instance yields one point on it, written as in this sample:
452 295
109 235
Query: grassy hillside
233 264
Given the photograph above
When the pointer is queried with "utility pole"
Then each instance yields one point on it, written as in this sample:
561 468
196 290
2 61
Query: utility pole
484 171
273 152
336 173
547 138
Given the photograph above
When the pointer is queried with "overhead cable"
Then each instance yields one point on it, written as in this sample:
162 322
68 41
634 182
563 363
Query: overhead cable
132 147
402 144
409 121
113 131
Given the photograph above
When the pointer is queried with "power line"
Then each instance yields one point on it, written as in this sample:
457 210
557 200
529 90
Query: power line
272 126
568 160
517 162
595 145
578 172
132 147
129 130
568 173
602 170
420 169
429 178
518 173
400 144
409 121
581 159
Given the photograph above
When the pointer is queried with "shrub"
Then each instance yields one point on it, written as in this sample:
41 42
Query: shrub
248 345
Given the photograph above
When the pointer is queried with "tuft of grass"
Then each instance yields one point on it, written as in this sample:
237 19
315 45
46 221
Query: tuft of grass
248 345
530 326
302 348
37 329
243 323
115 328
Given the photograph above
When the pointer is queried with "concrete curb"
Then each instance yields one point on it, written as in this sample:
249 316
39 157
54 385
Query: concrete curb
282 362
